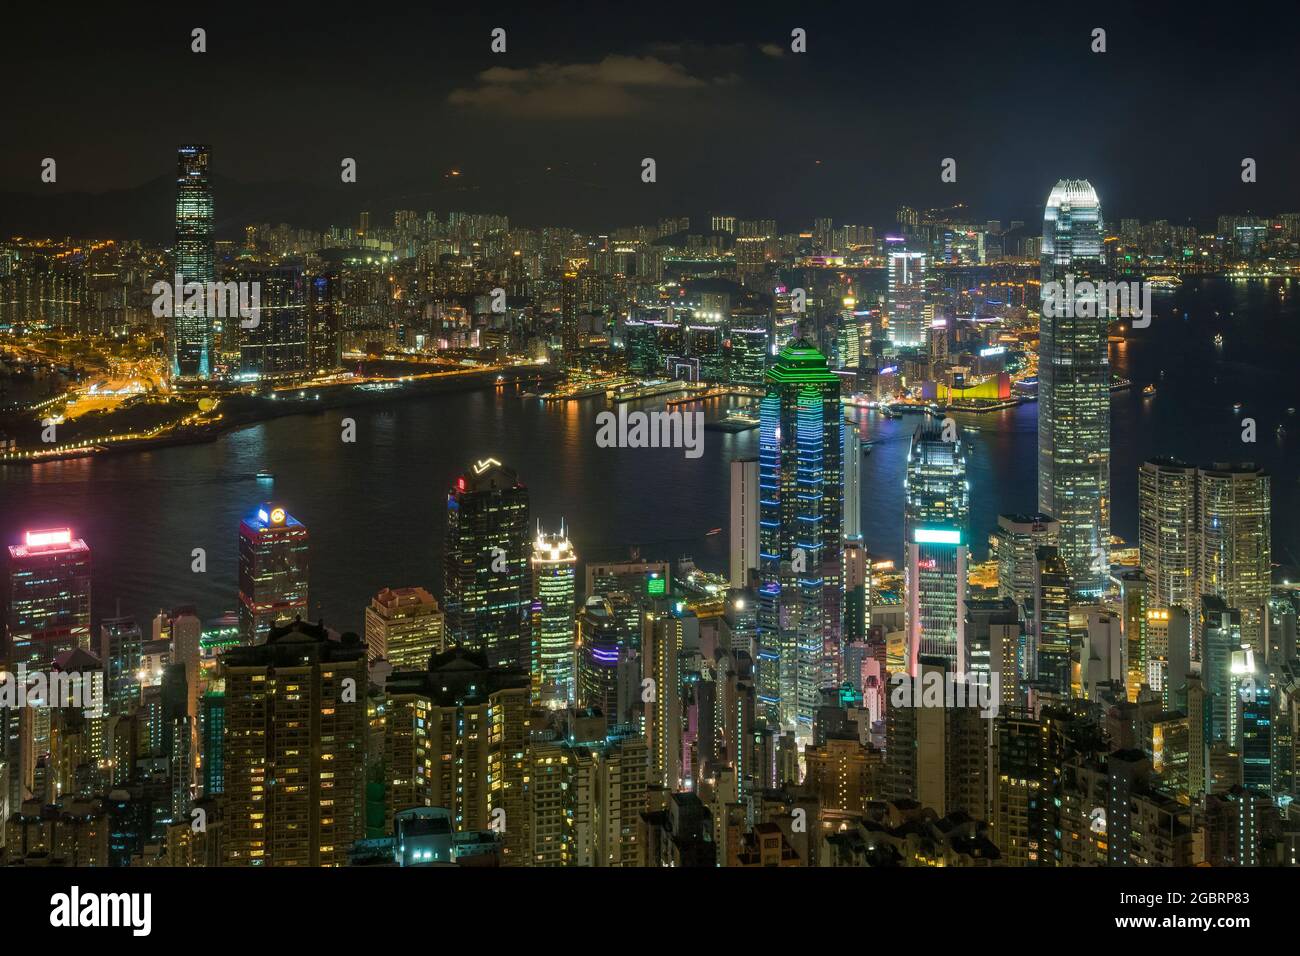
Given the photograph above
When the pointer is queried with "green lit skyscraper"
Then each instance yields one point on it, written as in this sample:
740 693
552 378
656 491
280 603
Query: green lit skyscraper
190 337
1074 390
800 534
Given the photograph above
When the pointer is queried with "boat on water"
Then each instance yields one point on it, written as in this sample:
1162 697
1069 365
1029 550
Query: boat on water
265 476
1218 339
1149 390
1236 406
713 532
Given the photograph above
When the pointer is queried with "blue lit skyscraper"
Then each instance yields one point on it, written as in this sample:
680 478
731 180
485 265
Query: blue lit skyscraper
800 534
190 336
1074 390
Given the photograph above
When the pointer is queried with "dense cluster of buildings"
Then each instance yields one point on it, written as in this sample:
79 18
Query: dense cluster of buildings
1079 704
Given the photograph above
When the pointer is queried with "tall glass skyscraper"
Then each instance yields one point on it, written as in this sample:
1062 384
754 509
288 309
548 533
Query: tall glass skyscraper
1074 391
46 609
907 326
555 608
191 335
1167 531
935 519
800 534
273 552
486 569
1236 541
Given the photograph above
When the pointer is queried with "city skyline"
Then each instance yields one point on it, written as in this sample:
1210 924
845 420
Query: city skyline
548 438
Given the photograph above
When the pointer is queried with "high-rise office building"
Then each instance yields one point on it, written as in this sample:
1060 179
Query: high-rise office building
1236 543
554 565
277 345
273 559
1052 590
1074 390
1167 531
486 572
906 299
120 646
404 626
662 640
568 326
1017 540
801 526
744 520
46 598
935 520
852 459
1220 629
294 755
607 634
190 336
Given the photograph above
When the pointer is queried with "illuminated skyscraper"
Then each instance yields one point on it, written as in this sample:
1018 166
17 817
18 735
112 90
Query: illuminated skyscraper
46 599
569 318
273 553
1018 538
906 302
294 754
555 602
1074 390
801 528
278 344
662 641
935 520
852 458
608 631
405 627
486 579
1236 541
1167 531
1051 621
190 344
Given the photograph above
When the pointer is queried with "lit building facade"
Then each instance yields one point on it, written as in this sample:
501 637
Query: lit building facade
47 598
555 608
1236 541
1074 391
191 336
404 626
486 579
273 565
800 533
935 521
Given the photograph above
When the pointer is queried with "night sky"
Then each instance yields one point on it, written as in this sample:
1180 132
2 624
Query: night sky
554 130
